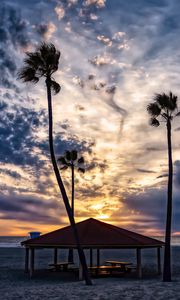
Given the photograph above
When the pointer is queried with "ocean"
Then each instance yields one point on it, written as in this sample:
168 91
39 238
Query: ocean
11 241
15 241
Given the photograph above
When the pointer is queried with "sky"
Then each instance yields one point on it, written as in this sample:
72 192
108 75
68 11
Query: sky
115 55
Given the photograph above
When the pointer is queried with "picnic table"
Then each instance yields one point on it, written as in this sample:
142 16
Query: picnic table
62 266
125 266
97 270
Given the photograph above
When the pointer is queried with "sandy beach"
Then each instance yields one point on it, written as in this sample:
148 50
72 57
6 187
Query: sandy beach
15 284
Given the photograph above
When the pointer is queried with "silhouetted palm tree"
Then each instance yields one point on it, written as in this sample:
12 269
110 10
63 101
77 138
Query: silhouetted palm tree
164 108
43 63
71 160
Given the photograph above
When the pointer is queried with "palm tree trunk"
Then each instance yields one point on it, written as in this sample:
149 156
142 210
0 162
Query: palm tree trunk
62 189
72 199
70 254
167 250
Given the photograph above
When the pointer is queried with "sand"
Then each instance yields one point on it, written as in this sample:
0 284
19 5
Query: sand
15 284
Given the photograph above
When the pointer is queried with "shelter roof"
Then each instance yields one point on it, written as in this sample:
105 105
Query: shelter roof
93 234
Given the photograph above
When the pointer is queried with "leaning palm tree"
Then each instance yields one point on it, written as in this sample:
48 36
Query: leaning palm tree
164 109
71 160
43 63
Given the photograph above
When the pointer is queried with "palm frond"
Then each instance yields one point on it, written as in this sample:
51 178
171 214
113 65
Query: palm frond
173 101
153 109
68 155
55 87
62 160
34 60
42 62
50 55
28 74
178 114
46 49
82 170
64 168
81 160
154 122
168 102
74 155
165 116
162 100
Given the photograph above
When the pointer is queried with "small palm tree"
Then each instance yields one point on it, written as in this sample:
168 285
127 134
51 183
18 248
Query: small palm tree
71 160
43 63
164 108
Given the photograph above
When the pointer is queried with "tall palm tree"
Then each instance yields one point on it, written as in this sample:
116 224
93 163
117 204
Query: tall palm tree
71 160
164 108
43 63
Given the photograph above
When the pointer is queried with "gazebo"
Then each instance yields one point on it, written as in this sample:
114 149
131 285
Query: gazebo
94 235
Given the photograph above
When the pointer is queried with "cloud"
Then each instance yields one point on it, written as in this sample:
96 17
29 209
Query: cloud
145 171
96 164
177 173
11 173
13 27
29 208
17 135
19 130
45 30
63 143
97 3
104 40
14 36
177 129
150 204
60 12
114 57
162 176
102 60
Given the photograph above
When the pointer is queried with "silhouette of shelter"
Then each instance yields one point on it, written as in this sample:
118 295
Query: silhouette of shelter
94 235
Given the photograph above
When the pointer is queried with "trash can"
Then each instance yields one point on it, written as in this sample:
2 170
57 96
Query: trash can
34 234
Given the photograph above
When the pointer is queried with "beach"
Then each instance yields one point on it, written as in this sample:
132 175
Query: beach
15 284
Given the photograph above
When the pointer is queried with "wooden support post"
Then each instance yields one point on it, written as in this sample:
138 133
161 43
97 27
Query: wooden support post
91 257
31 262
80 272
26 260
55 255
98 257
159 260
139 265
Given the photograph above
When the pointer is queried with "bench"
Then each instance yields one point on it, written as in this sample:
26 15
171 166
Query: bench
62 266
131 268
125 266
105 270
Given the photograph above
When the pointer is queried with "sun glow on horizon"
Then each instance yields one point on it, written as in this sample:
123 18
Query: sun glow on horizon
103 217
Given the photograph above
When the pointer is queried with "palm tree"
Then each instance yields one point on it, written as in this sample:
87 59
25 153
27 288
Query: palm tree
164 107
71 160
43 63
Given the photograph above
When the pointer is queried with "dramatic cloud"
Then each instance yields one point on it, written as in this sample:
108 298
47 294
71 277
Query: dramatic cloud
152 206
17 134
29 209
13 36
60 12
97 3
145 171
114 56
46 30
